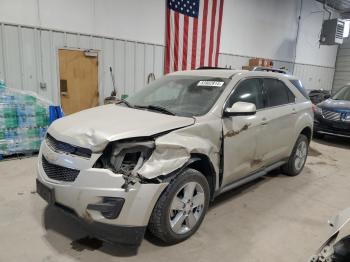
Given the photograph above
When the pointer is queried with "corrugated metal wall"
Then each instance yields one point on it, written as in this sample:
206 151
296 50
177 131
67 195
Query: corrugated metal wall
342 66
29 56
313 77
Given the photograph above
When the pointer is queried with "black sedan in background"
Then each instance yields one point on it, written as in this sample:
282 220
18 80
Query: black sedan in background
332 116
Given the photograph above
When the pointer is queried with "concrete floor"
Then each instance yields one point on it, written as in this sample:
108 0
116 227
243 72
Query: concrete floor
276 218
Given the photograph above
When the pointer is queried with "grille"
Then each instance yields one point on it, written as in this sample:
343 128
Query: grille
67 148
331 115
59 173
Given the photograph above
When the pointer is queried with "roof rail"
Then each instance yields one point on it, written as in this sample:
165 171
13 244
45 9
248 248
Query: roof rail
212 67
269 69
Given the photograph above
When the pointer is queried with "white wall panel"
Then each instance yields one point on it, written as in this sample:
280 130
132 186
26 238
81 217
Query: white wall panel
342 67
2 51
13 56
139 66
47 65
120 59
233 61
263 28
65 15
130 50
149 62
309 50
85 42
315 77
137 20
159 61
19 11
108 61
71 40
31 57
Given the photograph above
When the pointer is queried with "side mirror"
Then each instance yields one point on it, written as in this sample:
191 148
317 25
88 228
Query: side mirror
241 109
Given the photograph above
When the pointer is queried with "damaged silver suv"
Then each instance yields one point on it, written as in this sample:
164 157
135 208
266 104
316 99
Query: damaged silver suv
157 159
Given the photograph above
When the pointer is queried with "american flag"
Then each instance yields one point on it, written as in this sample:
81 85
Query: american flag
193 31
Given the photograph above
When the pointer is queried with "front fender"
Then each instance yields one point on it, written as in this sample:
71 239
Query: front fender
175 149
172 152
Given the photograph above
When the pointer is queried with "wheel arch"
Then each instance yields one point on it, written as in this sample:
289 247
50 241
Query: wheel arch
203 164
307 131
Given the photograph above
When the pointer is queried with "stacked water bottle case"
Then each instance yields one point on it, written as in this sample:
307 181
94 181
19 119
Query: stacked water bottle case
24 119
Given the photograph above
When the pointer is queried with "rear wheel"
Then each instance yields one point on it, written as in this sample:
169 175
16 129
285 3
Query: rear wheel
296 161
181 208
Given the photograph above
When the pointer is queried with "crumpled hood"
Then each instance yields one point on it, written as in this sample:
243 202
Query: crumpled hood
95 128
331 104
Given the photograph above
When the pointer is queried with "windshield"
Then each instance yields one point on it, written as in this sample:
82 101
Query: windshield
181 95
343 94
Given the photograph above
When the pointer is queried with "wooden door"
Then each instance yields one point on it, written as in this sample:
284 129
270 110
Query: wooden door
78 80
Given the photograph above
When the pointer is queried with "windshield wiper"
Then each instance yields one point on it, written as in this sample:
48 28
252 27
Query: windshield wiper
125 102
157 108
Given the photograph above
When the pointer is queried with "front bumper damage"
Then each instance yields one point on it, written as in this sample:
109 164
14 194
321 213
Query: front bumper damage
140 189
83 197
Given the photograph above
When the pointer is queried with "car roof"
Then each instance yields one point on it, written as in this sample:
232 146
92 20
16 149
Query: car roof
229 73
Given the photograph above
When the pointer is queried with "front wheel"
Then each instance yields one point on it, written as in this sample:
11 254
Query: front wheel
297 159
181 208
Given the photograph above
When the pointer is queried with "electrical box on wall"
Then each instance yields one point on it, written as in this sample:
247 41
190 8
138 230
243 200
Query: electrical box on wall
332 32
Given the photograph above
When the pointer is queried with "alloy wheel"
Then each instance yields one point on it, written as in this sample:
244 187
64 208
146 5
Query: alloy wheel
186 208
300 155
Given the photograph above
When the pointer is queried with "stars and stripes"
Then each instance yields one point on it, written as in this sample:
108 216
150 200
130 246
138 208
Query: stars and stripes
193 32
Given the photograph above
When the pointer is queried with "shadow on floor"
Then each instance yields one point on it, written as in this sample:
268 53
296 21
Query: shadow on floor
63 224
246 188
334 141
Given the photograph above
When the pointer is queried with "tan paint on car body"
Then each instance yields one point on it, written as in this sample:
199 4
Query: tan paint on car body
176 139
95 128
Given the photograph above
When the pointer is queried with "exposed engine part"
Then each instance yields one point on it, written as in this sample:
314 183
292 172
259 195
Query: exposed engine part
324 256
339 252
126 158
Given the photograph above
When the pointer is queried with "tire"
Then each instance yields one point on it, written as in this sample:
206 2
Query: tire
297 159
171 207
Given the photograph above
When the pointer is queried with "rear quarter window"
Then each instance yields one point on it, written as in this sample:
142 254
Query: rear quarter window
300 87
277 93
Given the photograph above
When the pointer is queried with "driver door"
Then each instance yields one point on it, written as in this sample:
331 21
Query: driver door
241 132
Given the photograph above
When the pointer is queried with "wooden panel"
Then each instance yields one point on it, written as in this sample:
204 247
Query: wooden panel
79 75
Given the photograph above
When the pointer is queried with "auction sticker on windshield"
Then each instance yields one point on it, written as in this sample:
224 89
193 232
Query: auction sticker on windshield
211 83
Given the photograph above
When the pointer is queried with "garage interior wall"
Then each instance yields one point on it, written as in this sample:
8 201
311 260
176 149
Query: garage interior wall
342 67
130 38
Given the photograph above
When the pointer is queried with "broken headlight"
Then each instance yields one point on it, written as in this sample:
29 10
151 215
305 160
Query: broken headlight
125 157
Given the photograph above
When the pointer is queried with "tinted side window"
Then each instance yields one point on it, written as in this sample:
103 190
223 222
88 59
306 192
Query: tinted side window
277 93
250 91
300 87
